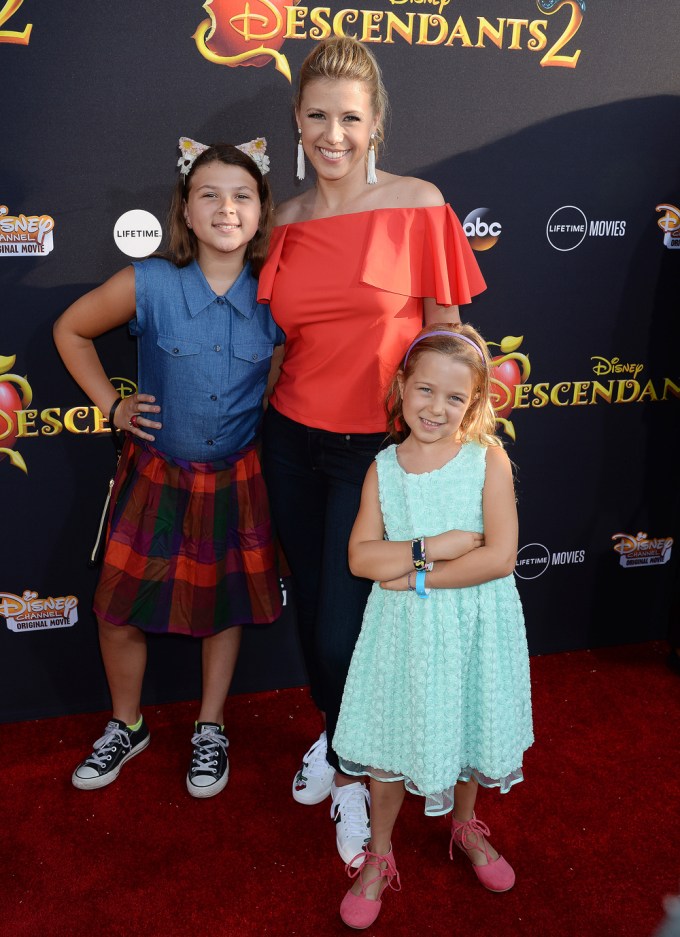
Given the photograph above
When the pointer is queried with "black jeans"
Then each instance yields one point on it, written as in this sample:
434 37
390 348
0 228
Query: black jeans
314 480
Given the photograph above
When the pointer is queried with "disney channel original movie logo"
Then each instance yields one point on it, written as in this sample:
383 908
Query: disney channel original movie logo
252 32
25 235
614 381
641 550
19 421
28 612
669 223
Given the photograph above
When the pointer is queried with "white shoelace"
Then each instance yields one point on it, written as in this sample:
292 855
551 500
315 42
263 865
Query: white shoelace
113 735
208 745
314 764
352 802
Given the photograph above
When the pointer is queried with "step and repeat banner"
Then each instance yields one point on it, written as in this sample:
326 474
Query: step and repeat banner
551 126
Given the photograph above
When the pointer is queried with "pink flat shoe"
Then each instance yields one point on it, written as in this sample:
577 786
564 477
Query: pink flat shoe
497 875
358 911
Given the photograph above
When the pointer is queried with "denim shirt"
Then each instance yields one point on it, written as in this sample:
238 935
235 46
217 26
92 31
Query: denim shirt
204 357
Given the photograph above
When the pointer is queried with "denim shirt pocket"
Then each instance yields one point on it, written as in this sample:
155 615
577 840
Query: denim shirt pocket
178 347
254 352
250 366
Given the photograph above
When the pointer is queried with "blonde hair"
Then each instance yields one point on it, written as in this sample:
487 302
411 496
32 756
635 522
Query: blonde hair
343 57
479 422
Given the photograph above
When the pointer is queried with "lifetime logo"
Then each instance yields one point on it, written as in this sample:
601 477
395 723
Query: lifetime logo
137 233
534 559
568 227
481 232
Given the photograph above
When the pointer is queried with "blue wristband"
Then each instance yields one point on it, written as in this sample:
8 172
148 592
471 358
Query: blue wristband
421 591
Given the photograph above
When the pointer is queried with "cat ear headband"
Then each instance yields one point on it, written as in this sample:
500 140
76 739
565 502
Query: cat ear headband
190 149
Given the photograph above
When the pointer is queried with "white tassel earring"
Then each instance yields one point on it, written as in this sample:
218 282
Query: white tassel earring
371 177
300 157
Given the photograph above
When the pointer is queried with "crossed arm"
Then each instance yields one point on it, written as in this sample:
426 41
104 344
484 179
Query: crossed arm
461 558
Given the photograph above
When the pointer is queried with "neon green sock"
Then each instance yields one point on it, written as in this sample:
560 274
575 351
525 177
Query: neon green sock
137 726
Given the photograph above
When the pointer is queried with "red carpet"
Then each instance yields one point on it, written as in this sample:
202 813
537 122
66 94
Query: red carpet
593 833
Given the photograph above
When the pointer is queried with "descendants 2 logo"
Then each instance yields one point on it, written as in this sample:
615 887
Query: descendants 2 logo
614 381
252 32
18 421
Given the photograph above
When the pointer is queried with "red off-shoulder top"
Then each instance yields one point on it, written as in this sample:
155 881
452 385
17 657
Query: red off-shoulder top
348 293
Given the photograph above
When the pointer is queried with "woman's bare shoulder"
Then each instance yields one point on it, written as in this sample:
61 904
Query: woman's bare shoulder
294 209
409 192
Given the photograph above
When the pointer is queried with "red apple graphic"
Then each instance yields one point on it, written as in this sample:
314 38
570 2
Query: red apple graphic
238 29
505 376
10 402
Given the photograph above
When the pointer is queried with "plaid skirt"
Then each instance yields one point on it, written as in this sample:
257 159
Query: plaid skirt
189 546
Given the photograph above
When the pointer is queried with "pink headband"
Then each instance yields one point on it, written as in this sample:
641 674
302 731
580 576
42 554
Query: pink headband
463 338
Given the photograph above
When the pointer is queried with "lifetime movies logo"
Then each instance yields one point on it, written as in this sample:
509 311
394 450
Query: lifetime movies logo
30 613
568 227
18 421
533 559
669 223
641 550
252 32
25 235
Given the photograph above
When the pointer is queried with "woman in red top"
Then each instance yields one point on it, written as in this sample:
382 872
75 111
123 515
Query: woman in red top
357 263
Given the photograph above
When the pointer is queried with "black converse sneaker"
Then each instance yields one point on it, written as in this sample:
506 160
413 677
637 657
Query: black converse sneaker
116 746
209 771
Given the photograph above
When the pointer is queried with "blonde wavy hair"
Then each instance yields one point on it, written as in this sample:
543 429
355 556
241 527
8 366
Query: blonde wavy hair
479 422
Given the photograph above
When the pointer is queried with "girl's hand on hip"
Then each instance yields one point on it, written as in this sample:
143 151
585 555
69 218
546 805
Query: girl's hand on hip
134 415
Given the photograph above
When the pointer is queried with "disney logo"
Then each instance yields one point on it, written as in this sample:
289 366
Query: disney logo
30 224
13 606
614 366
641 544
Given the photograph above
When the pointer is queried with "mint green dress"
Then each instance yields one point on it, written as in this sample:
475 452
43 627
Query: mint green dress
438 688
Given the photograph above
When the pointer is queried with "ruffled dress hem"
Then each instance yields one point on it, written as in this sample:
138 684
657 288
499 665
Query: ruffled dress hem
440 803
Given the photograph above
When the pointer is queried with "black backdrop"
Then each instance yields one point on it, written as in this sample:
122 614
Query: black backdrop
545 138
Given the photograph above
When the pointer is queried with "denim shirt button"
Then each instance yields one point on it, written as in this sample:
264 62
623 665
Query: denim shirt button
218 348
175 351
213 396
210 442
220 300
255 357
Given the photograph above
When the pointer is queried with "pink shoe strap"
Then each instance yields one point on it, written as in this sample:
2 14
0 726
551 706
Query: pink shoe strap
469 835
375 861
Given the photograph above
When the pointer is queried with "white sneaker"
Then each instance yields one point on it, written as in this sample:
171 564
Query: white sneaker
349 809
312 783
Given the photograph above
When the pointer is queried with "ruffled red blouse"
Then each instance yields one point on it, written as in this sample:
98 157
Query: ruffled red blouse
348 292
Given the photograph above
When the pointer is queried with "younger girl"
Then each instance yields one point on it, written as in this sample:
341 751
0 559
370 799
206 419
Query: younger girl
189 547
437 698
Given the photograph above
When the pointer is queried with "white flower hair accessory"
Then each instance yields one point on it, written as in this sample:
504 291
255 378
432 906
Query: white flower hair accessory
191 149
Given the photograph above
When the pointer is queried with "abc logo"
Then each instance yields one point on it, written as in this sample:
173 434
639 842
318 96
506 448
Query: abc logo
480 231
